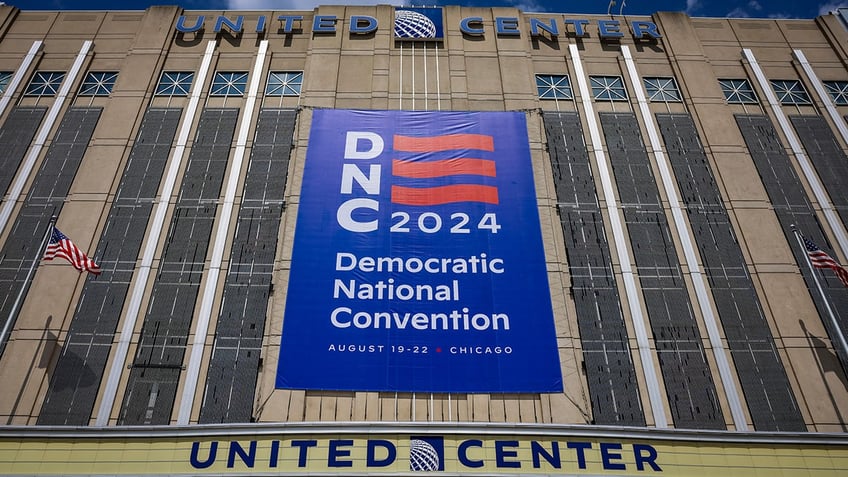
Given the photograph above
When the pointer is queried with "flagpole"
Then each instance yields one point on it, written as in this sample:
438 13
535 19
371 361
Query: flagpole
13 314
834 322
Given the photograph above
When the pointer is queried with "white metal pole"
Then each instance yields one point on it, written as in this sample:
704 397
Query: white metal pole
13 314
836 329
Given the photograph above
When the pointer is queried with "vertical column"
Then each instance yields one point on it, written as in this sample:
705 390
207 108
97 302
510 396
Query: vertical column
20 127
19 75
119 360
193 369
703 299
633 299
35 151
822 94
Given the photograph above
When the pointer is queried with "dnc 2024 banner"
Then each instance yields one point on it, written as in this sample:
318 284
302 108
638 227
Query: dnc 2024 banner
418 263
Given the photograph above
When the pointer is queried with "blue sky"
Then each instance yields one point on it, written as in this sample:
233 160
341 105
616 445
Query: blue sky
700 8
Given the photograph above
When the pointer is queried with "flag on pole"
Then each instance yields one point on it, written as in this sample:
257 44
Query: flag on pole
820 259
61 246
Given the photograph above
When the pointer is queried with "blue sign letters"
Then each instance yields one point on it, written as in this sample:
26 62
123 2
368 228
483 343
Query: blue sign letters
417 23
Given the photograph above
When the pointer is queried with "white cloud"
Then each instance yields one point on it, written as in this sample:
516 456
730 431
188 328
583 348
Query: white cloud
528 5
826 8
738 13
299 4
755 5
692 6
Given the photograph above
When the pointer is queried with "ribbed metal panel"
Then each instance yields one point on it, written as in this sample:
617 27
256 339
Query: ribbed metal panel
770 400
15 137
233 369
152 385
610 373
827 157
79 371
688 381
790 203
45 198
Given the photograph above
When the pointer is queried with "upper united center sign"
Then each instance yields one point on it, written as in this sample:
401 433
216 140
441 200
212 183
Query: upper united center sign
427 24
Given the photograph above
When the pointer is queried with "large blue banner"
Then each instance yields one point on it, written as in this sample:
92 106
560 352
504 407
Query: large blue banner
418 263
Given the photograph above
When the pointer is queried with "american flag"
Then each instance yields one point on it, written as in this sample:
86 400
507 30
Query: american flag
61 246
820 259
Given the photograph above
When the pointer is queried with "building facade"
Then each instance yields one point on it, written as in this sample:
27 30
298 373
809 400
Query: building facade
665 173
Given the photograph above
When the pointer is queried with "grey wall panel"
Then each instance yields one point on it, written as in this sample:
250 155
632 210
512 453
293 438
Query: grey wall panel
15 138
691 391
45 198
827 157
769 396
610 373
151 389
233 369
79 371
786 192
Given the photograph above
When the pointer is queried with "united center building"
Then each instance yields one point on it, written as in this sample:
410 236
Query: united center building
387 240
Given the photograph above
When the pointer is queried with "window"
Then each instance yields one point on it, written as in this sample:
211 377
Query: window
285 83
838 91
738 91
5 78
553 87
229 84
98 84
608 88
662 89
790 92
173 83
45 83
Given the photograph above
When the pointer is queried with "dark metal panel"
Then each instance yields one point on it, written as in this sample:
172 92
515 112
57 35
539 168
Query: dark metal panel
610 372
15 138
233 369
92 330
786 193
827 157
151 389
45 198
691 391
769 396
150 396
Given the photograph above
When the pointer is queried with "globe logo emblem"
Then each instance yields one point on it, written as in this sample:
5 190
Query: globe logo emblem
422 456
409 24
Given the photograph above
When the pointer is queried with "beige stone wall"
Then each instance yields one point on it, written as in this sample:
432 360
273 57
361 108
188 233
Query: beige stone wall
489 72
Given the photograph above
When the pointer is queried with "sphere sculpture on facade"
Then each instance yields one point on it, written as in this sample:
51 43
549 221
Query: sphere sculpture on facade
409 24
422 456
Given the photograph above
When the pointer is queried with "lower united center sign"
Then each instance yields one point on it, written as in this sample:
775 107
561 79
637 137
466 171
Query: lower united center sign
418 263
